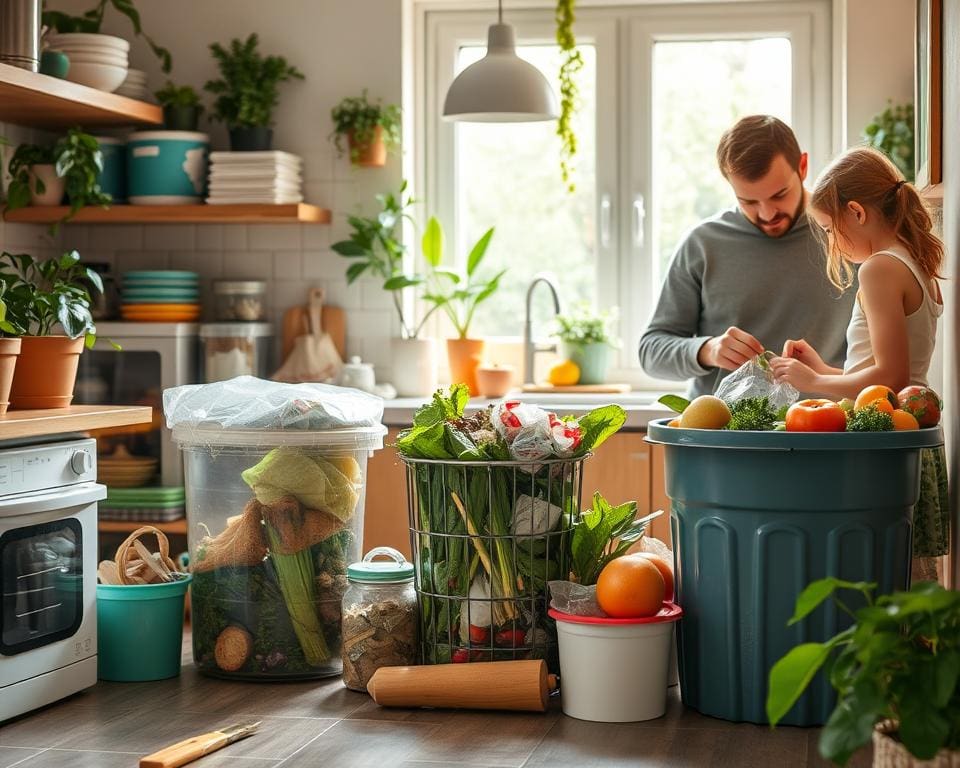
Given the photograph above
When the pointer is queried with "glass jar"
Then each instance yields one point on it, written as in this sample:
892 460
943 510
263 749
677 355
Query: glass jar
379 617
240 300
235 349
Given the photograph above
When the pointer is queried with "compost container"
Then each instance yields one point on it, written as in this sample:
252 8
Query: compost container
755 517
275 477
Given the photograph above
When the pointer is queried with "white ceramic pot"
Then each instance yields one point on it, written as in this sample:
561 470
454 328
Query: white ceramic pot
52 185
414 367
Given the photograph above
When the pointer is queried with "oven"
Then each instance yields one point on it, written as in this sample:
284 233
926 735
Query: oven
48 572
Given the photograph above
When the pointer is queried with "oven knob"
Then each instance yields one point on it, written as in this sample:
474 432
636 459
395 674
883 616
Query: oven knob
81 462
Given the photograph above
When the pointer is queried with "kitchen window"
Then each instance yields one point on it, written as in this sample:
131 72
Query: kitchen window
659 86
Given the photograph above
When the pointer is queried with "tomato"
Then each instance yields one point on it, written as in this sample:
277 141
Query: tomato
922 403
510 638
816 416
460 656
479 635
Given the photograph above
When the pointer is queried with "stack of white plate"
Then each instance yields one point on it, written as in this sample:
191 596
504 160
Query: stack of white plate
273 178
135 86
99 61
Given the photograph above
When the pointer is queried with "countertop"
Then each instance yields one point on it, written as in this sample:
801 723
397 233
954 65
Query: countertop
641 407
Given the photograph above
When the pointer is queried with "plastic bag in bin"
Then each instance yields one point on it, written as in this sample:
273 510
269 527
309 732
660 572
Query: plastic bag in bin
755 379
532 433
574 599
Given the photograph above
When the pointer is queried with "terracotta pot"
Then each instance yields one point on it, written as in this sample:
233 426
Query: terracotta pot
464 356
53 185
46 372
9 349
890 753
494 381
370 155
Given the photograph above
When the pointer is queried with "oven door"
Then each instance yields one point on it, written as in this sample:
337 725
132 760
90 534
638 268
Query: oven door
48 580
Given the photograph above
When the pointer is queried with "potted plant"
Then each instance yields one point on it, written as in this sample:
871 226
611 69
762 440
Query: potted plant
39 296
371 129
458 292
181 107
895 670
90 22
374 248
41 175
892 133
9 349
586 340
246 92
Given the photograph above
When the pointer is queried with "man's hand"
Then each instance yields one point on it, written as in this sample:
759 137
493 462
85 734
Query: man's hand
729 351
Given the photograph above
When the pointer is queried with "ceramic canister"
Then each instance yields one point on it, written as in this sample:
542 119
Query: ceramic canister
113 178
167 167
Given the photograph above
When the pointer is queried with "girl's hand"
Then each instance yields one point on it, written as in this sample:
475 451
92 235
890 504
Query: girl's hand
794 372
802 351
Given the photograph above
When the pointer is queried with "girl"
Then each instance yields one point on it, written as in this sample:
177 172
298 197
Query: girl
869 216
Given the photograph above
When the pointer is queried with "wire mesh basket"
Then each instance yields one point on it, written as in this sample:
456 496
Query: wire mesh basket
487 536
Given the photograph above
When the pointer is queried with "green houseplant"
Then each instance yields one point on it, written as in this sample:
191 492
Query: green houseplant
892 133
370 129
247 91
39 296
90 22
572 64
896 672
181 107
586 339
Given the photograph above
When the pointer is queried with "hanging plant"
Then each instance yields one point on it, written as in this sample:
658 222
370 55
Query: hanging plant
572 64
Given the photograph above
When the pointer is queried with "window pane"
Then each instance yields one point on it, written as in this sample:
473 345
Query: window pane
699 90
508 177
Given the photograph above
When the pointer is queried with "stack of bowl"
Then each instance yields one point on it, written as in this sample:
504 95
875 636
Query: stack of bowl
123 470
99 61
135 86
160 296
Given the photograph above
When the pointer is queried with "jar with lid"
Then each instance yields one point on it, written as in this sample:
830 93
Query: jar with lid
240 300
379 617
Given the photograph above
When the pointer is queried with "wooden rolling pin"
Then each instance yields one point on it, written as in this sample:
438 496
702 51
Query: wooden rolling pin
516 685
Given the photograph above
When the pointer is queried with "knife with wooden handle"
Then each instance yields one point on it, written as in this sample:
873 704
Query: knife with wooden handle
188 750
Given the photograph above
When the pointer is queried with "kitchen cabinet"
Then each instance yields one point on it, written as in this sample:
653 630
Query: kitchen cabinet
624 468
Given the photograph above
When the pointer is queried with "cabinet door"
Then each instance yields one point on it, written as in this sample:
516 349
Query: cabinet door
385 513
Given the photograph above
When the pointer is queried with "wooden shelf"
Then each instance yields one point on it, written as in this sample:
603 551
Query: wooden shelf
124 526
15 425
176 214
41 101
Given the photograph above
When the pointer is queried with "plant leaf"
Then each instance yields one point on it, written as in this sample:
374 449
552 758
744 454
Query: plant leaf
598 425
790 676
432 242
675 403
818 591
399 282
478 251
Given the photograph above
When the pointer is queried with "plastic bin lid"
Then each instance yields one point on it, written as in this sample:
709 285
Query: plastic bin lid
349 439
235 330
670 612
658 432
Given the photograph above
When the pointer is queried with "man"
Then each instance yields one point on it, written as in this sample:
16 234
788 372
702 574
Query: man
750 277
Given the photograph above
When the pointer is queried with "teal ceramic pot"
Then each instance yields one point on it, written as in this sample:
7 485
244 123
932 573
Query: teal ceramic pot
591 359
167 167
256 139
113 178
54 63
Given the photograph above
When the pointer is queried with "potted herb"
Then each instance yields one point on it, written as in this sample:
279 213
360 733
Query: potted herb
892 133
895 670
458 292
370 129
586 340
375 250
39 296
89 23
247 93
181 107
9 350
41 175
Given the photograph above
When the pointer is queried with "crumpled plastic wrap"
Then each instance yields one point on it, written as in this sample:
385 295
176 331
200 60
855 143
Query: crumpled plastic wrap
574 599
532 433
249 403
755 379
533 516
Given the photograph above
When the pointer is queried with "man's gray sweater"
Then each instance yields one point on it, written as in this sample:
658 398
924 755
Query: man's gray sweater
726 272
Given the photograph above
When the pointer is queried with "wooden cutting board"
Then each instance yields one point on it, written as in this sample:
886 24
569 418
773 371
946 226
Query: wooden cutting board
582 389
333 320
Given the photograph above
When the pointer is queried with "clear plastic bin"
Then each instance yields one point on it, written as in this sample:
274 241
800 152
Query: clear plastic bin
274 520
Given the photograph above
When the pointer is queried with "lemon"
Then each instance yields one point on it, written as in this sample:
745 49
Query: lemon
705 412
564 374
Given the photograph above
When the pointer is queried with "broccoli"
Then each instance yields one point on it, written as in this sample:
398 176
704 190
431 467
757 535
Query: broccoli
869 419
753 413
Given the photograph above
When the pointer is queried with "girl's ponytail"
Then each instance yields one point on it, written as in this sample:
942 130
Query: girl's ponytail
912 223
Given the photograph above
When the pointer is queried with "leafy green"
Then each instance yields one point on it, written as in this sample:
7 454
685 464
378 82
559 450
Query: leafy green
599 424
899 661
675 403
602 534
752 413
582 325
869 419
173 95
359 117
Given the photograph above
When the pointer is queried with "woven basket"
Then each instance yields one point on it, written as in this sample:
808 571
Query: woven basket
890 753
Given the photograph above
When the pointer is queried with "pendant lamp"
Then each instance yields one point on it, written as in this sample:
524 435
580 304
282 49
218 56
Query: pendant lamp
501 87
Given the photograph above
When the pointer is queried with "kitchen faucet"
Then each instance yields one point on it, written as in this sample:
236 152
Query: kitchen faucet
530 347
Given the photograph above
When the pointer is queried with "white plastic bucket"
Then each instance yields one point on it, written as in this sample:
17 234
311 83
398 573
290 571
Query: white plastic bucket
615 670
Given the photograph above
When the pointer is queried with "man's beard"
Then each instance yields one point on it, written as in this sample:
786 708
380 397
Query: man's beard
779 218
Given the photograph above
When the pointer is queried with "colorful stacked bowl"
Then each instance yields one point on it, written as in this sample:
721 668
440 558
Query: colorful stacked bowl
160 296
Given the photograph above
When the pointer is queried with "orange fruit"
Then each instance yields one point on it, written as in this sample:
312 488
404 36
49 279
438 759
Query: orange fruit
564 374
876 394
904 420
674 422
705 412
666 570
630 587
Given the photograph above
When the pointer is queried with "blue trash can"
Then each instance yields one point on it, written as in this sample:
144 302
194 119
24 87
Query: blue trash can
755 517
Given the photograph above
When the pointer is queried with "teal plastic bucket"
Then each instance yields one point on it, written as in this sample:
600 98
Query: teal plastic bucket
140 630
755 517
113 178
167 167
591 359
